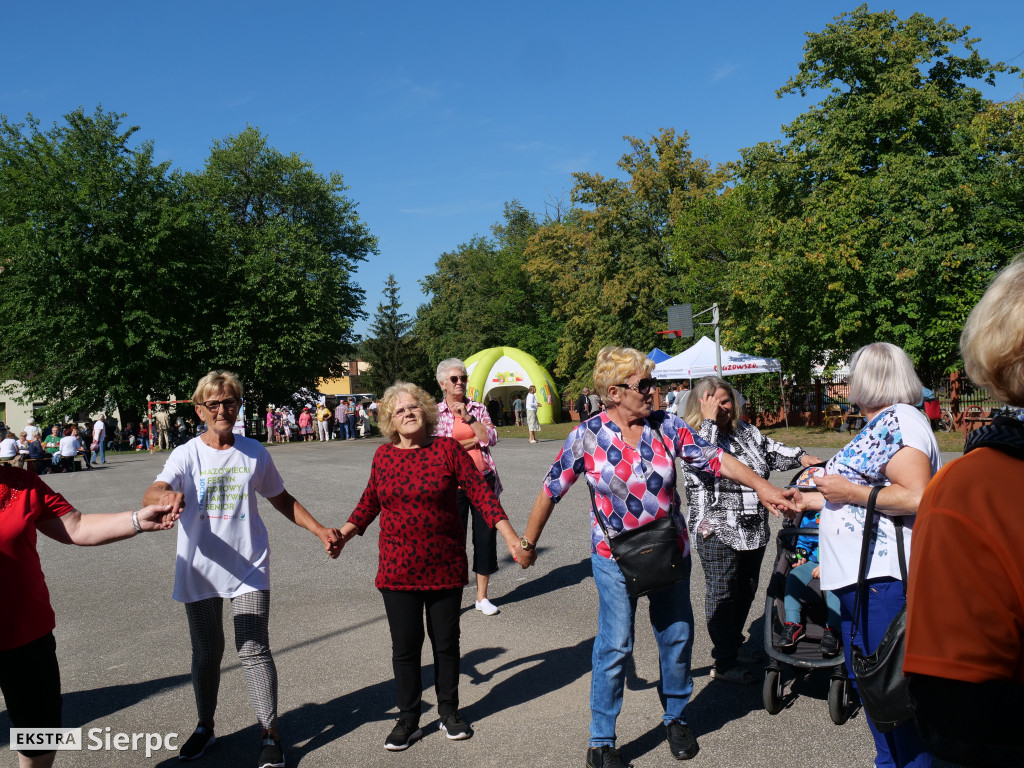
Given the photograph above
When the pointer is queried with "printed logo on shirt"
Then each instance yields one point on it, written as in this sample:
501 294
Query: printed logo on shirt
222 493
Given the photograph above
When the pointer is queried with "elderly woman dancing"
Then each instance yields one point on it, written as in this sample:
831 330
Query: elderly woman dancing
413 485
895 449
728 524
224 553
29 673
627 455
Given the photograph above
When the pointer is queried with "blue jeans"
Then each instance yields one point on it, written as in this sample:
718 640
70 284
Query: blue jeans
672 620
101 451
798 591
901 747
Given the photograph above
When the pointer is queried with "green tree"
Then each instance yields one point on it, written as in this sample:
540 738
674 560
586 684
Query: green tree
95 265
609 260
481 296
391 350
875 215
279 299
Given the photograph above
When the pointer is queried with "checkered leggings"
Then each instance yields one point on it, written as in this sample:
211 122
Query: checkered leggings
251 612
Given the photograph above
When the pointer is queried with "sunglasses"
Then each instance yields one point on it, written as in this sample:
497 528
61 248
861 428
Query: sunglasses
215 405
642 387
457 379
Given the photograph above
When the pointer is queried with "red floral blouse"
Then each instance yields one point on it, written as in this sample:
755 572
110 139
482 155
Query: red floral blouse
422 539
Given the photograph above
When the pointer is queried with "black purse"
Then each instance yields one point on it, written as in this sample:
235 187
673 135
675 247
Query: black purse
649 557
883 689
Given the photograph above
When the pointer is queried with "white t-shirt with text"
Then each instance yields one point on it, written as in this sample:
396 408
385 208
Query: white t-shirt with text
223 549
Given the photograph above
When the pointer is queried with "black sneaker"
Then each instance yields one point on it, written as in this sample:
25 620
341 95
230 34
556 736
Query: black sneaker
605 757
402 735
829 643
454 727
271 754
791 635
201 738
680 741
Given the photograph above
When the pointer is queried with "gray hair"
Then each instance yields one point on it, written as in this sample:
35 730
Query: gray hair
446 365
882 374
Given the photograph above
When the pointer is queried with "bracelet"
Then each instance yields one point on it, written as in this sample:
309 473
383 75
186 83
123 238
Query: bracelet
135 521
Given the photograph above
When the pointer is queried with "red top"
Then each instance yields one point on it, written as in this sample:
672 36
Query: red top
422 539
25 610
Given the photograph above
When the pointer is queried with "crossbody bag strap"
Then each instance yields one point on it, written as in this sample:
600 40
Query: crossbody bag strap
861 595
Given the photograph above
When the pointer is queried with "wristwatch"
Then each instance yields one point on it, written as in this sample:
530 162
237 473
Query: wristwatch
525 544
470 418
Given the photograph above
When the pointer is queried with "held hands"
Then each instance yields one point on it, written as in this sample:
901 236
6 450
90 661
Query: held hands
525 558
158 517
176 501
333 541
777 502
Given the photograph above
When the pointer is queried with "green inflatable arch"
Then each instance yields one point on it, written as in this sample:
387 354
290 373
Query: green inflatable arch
505 370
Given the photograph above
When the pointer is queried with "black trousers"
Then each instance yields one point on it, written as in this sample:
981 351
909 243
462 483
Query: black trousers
485 538
730 576
30 683
405 612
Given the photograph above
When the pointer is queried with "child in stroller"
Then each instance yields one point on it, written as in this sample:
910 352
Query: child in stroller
804 568
794 644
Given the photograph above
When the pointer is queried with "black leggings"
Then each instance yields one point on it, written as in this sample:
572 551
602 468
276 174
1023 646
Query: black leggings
30 683
405 611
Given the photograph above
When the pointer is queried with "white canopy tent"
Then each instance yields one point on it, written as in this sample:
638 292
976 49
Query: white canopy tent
700 360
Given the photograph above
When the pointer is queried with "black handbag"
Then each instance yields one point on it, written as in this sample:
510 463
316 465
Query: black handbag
649 557
883 689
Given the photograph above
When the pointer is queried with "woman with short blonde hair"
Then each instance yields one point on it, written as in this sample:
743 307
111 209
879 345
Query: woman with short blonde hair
412 491
386 408
224 554
627 454
992 343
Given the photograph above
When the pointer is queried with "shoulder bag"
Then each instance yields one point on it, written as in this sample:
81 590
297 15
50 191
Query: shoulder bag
649 556
883 689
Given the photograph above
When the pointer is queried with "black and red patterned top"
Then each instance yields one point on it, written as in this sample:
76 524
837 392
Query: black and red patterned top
422 539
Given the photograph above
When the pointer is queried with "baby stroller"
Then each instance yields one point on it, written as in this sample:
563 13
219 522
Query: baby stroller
842 699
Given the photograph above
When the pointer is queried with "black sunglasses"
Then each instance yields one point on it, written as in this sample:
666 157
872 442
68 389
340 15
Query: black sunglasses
643 386
457 379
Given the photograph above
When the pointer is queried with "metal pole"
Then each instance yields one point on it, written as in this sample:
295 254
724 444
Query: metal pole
718 340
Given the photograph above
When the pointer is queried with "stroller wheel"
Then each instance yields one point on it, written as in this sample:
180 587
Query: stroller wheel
771 692
840 705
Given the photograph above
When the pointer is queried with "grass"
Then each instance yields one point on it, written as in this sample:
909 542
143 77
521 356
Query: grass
805 437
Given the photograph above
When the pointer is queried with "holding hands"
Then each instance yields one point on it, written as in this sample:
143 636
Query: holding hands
158 517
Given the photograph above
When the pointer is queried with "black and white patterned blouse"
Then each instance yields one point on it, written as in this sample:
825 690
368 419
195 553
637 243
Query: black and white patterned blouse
725 508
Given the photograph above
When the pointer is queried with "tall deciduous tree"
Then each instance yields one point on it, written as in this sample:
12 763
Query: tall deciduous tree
95 264
877 221
279 298
609 262
391 350
481 296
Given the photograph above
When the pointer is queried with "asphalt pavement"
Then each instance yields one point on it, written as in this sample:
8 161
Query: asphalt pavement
125 656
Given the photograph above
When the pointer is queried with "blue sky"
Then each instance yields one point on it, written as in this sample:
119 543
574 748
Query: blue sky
437 113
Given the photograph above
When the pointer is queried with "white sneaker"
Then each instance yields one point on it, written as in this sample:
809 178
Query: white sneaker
486 607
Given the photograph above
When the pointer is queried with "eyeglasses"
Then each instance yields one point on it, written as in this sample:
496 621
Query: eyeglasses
216 405
457 379
407 409
643 386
